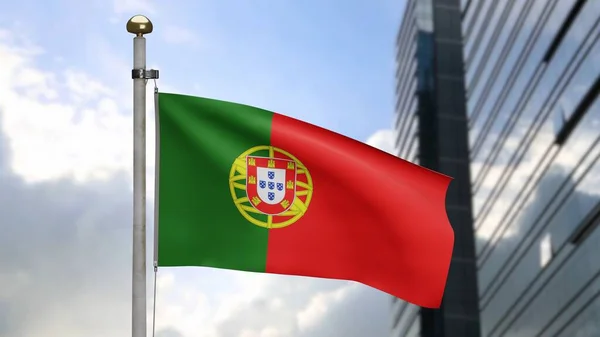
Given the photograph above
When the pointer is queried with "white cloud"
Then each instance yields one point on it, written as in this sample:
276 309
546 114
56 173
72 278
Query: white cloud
184 308
67 122
59 124
67 244
383 140
298 307
319 305
265 305
84 89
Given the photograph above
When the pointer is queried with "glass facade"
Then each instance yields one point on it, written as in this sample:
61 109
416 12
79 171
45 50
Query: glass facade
410 76
405 316
414 75
431 130
532 71
405 121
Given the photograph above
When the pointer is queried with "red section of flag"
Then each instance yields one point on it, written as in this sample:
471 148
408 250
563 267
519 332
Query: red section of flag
374 218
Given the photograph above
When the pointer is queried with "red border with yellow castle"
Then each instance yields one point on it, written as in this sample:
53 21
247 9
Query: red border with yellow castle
252 163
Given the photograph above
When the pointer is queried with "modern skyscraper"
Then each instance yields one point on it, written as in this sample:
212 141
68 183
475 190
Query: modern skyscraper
532 79
431 130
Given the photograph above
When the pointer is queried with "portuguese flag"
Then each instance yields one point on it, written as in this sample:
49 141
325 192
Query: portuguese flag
248 189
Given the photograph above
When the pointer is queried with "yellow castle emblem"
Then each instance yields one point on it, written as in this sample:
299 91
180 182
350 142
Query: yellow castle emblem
270 187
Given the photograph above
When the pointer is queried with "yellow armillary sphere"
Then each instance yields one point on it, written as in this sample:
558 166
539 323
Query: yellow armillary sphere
270 187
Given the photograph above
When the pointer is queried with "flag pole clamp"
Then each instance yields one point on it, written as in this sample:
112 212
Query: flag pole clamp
150 74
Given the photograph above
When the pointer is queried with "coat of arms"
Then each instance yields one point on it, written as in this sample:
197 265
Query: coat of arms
270 183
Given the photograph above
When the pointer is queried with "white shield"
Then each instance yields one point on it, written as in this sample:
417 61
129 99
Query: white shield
270 184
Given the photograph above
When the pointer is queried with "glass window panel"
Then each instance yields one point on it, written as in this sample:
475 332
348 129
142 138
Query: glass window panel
401 115
573 202
468 20
489 224
482 38
424 15
525 116
518 86
486 43
407 60
586 323
413 150
407 79
463 3
549 79
407 56
571 212
405 98
407 25
407 75
407 108
407 318
414 329
498 80
572 278
579 86
580 145
552 75
512 288
408 98
410 141
406 137
475 29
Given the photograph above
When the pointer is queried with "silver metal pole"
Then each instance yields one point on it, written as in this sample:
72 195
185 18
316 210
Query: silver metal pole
139 192
139 25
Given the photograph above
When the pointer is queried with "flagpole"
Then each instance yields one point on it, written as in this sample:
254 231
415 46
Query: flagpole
139 25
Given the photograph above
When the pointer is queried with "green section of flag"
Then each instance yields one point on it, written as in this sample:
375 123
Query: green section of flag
199 224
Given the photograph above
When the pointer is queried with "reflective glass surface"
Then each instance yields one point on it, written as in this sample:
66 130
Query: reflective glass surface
411 78
407 79
532 79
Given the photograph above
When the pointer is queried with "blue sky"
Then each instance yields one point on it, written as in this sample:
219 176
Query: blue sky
329 63
65 152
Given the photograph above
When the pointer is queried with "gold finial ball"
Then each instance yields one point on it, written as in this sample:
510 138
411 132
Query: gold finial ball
139 25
